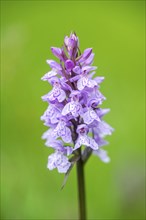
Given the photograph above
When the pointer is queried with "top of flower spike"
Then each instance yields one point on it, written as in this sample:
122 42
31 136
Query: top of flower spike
71 43
74 100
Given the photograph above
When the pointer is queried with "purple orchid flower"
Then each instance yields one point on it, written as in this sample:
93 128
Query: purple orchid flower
74 112
59 161
84 139
74 107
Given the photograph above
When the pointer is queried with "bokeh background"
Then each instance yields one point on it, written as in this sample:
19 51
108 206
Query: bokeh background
116 31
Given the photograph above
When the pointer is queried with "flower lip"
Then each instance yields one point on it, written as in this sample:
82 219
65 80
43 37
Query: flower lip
54 81
54 64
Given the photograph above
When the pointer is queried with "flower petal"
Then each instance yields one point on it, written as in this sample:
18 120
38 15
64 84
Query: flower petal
81 83
67 136
54 64
66 109
102 154
89 60
48 75
90 116
69 64
59 161
87 52
57 52
62 96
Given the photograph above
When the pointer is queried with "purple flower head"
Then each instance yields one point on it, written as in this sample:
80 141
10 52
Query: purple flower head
74 115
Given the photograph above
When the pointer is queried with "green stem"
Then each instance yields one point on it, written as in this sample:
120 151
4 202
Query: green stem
81 189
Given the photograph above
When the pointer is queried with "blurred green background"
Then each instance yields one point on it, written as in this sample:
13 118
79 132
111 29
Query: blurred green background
116 31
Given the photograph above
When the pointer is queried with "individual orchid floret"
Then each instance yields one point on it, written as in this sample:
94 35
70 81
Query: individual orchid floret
83 139
52 113
74 107
62 131
56 94
85 80
58 145
59 161
89 116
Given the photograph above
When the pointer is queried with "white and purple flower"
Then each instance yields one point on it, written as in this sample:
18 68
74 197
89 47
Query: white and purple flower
74 114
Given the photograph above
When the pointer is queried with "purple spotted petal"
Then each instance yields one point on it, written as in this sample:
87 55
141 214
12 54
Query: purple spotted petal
52 113
59 161
90 116
66 137
84 81
66 109
87 141
62 96
74 108
54 64
55 94
62 131
48 75
81 83
88 68
91 83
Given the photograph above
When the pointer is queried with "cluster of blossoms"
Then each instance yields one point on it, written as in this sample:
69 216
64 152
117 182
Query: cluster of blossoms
74 116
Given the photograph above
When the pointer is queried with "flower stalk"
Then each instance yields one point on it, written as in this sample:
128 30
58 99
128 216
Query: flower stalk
81 189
